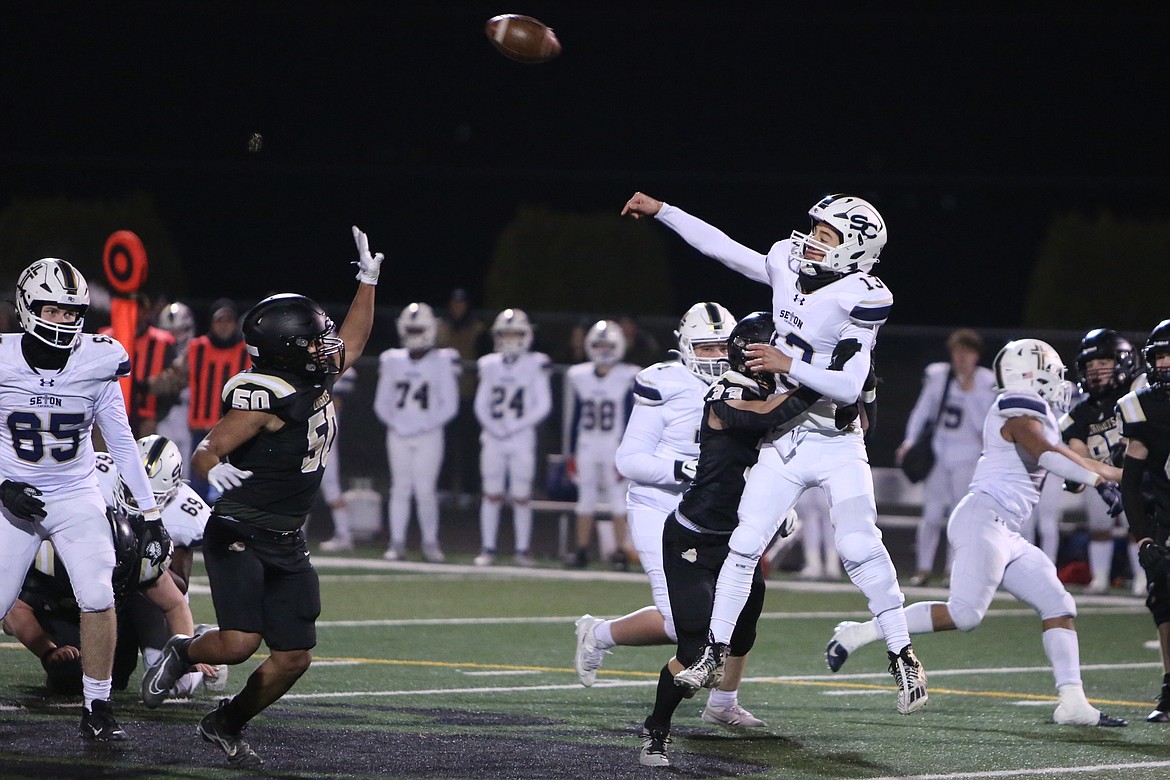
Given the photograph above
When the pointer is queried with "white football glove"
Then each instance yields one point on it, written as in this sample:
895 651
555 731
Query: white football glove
368 265
224 476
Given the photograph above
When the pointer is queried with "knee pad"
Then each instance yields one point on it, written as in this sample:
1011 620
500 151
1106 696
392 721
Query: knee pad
966 617
746 542
1057 606
857 537
94 596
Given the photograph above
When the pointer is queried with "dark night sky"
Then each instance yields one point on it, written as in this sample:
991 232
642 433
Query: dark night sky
969 127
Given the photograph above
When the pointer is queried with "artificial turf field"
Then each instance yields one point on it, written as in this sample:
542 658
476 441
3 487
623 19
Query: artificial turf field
455 672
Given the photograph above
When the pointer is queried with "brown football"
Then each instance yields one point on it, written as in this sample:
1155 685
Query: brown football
522 38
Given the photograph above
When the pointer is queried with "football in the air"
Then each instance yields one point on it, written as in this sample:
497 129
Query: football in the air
522 38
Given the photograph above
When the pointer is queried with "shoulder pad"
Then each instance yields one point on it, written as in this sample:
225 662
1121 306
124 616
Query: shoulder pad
542 361
1129 406
874 302
252 392
102 356
1021 403
732 386
660 382
487 360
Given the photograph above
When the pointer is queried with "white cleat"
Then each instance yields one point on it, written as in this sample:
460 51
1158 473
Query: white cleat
589 656
1085 715
733 718
484 559
911 680
337 544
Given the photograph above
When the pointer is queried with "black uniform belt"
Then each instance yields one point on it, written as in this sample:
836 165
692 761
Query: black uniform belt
257 532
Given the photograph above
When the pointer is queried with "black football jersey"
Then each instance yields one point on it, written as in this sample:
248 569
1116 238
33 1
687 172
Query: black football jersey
287 464
1095 422
726 454
1145 416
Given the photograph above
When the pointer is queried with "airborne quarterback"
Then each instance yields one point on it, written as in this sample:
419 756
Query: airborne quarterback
267 455
822 294
55 383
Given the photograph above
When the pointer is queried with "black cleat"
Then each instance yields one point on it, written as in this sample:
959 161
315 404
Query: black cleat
654 744
212 729
1110 722
99 723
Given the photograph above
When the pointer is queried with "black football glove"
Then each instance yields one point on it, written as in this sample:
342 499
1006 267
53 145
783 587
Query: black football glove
1150 555
685 470
1110 493
845 349
20 498
1072 486
845 415
154 549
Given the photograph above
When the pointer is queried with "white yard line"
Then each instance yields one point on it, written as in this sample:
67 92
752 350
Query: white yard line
1053 770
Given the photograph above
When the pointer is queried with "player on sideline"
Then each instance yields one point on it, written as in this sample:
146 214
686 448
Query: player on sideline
602 402
658 453
822 294
1107 371
55 383
1021 445
1145 423
266 455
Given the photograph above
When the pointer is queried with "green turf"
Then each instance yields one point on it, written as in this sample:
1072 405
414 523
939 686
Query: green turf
470 675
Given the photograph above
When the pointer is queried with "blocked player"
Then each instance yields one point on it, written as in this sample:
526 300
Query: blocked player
822 294
417 395
1145 425
1107 370
512 398
1021 446
659 453
266 455
740 408
602 399
55 384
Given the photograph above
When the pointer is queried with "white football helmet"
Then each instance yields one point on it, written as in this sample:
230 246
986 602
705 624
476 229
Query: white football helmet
705 323
1031 364
605 343
164 469
178 320
512 332
862 231
417 327
56 282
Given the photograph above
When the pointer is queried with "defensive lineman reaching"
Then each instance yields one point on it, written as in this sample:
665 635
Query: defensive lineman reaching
1021 446
55 383
822 294
267 455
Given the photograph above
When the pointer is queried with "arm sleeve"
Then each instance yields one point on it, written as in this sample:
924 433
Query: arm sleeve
926 404
843 386
574 423
448 396
714 243
796 403
1132 499
384 396
1062 466
110 415
636 459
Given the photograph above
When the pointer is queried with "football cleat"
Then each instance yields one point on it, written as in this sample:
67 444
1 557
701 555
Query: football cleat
160 678
845 640
1085 715
524 560
733 718
394 554
1159 715
485 558
238 752
706 671
911 680
432 553
589 656
337 544
654 744
98 723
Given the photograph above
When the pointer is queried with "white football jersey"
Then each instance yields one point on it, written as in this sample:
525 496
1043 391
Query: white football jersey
184 517
808 325
1005 472
959 434
601 405
663 429
513 394
417 396
48 417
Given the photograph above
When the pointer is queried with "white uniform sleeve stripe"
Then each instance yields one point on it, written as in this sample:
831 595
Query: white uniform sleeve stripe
277 385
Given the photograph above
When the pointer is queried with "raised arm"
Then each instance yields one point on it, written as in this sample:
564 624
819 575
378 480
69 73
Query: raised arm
359 321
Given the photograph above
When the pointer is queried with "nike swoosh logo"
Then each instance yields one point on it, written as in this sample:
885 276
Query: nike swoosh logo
152 688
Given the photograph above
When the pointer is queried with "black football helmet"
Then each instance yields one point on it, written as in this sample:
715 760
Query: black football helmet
292 333
756 328
1105 343
126 571
1157 343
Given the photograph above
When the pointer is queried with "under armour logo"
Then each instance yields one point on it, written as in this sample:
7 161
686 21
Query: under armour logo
46 382
798 299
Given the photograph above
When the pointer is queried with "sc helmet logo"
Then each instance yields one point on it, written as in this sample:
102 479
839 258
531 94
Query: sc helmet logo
862 224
